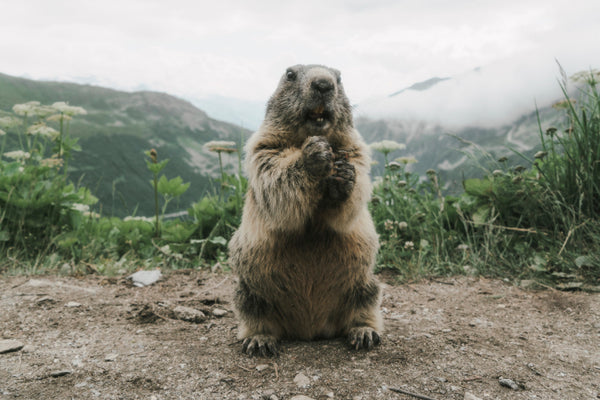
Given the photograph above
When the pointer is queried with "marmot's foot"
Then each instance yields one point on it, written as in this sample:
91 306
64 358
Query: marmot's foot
363 337
260 345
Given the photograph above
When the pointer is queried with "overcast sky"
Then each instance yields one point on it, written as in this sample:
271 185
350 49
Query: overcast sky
240 48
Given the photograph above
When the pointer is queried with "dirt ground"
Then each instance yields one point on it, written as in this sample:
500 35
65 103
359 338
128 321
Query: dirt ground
456 338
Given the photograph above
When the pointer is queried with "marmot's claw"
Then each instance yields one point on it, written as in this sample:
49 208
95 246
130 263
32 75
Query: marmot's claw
339 185
318 156
260 345
363 338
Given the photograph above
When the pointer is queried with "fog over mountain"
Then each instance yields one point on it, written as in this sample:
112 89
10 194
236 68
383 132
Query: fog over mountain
486 97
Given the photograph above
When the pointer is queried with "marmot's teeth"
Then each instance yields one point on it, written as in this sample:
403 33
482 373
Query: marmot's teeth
320 119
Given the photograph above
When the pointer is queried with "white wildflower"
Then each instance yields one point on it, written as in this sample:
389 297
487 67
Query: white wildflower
83 208
58 117
9 122
66 109
2 133
409 245
51 162
221 146
402 225
388 225
17 155
387 146
26 108
43 130
406 160
394 166
91 214
43 111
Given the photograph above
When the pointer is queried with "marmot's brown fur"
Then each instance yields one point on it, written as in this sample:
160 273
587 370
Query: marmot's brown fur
306 247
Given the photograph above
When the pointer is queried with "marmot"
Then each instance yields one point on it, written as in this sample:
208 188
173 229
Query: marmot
305 250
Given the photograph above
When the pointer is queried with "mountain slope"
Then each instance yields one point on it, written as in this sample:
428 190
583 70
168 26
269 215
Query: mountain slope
460 153
117 130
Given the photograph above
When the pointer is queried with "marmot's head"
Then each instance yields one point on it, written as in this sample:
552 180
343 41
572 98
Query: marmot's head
309 101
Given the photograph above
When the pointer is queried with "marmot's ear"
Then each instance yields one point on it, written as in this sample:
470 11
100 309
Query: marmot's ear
338 75
290 74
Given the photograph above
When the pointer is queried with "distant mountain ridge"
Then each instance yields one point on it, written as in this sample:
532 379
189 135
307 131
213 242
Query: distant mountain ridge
419 86
117 130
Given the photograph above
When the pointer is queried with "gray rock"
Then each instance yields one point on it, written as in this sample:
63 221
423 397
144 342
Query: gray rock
189 314
145 278
509 383
301 397
10 345
73 304
111 357
261 367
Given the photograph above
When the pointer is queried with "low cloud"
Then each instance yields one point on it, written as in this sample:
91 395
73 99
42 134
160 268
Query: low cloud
488 96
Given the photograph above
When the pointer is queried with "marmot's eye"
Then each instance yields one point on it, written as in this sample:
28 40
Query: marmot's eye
290 75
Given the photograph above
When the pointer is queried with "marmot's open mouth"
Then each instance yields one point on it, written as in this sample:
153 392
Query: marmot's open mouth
319 116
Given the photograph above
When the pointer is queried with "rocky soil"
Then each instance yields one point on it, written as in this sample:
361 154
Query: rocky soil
459 338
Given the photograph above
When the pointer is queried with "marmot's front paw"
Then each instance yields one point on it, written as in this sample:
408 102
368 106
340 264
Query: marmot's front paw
363 337
339 185
317 156
260 345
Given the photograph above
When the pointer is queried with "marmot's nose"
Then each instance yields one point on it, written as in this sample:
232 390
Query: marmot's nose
322 85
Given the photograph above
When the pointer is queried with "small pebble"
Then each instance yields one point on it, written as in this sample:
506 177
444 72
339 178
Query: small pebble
219 312
45 300
189 314
111 357
145 278
28 348
509 383
302 381
301 397
73 304
261 367
471 396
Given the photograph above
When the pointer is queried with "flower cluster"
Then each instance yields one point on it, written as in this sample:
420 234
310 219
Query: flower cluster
18 155
387 146
221 146
32 108
43 130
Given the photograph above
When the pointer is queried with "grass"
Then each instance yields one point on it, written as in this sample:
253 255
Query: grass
539 222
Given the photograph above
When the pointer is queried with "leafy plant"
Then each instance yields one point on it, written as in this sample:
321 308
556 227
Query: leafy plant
169 189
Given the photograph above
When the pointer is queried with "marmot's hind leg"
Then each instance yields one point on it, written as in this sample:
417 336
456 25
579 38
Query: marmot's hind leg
365 323
258 337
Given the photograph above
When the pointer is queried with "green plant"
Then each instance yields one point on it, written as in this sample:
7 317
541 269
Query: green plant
37 202
168 188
